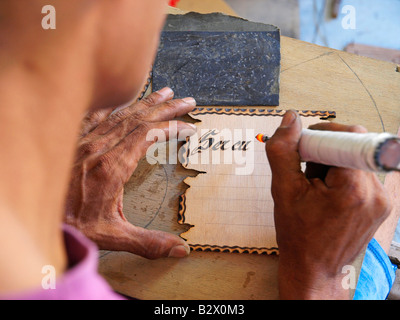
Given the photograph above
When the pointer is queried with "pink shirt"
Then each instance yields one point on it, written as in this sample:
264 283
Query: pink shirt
81 281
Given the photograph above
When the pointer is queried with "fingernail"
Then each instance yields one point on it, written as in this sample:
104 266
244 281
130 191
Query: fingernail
179 251
289 118
166 92
190 101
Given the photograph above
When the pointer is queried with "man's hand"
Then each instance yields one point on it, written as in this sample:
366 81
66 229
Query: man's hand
109 149
324 217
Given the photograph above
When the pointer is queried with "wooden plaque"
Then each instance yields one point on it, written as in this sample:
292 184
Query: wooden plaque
229 203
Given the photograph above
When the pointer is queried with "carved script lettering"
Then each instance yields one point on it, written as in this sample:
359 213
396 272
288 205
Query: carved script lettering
208 141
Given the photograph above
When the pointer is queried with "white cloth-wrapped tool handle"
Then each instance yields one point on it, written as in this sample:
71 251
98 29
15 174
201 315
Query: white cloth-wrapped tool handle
343 149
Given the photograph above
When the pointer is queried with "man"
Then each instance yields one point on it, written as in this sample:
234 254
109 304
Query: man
97 58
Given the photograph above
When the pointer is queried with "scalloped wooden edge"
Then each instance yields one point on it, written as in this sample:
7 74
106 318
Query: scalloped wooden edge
259 112
240 111
226 249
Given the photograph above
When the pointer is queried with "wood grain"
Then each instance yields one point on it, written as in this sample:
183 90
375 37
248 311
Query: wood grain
361 91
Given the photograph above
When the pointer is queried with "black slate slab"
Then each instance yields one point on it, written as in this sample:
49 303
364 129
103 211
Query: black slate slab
219 60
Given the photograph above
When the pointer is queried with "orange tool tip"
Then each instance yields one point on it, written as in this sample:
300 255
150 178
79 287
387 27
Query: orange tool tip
260 137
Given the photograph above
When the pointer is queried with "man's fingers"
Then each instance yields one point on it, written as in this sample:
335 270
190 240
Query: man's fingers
355 187
137 143
282 150
119 115
153 99
156 98
158 114
155 108
93 119
170 110
128 151
343 178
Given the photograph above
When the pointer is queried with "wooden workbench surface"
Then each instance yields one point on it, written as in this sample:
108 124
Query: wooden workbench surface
361 91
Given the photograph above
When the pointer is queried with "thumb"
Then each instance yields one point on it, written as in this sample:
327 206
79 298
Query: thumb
282 149
152 244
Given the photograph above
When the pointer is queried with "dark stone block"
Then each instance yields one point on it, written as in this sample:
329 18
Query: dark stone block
236 64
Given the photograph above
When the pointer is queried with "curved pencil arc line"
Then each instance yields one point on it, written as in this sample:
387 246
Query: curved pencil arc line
369 93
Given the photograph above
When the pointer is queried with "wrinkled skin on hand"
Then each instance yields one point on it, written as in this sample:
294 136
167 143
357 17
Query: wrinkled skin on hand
109 149
324 217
